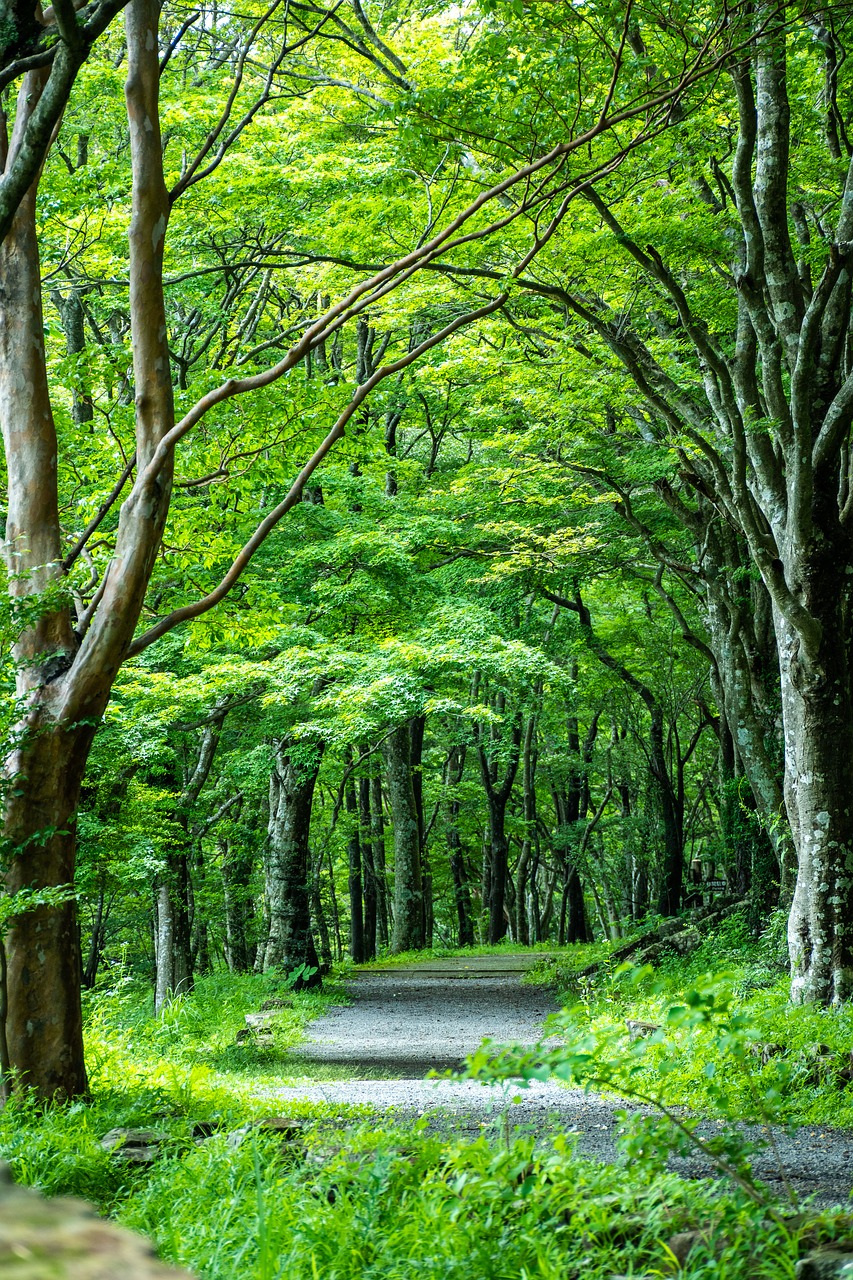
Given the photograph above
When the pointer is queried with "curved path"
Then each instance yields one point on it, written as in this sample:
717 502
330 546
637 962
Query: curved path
407 1020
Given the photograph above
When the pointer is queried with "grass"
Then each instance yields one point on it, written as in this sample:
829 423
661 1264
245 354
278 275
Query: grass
199 1031
371 1202
807 1045
356 1198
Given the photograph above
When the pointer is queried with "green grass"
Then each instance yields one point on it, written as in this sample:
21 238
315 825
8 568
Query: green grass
356 1198
199 1031
448 953
370 1202
803 1084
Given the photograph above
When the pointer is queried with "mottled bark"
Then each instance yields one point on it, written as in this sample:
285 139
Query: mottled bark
498 791
408 932
290 945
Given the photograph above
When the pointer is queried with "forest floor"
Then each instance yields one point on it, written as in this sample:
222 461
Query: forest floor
405 1021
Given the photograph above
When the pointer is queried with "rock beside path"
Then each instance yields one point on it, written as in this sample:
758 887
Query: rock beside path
64 1239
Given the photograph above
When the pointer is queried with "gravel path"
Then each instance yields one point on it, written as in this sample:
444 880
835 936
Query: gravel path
404 1022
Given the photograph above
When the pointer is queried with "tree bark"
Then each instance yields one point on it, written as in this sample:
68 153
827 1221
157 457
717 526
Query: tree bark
290 945
408 933
356 903
461 891
417 727
377 842
497 797
236 875
368 867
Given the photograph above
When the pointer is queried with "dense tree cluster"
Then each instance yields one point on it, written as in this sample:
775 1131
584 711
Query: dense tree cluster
427 484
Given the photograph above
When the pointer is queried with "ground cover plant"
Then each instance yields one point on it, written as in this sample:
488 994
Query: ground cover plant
339 1194
793 1063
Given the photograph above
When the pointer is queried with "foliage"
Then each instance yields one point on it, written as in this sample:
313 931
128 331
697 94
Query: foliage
368 1198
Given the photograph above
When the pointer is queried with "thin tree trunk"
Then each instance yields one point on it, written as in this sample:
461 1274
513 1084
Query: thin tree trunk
528 772
336 915
377 841
417 727
96 943
235 884
319 914
369 870
356 905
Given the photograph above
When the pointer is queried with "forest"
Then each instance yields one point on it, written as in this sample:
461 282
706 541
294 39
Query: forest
427 494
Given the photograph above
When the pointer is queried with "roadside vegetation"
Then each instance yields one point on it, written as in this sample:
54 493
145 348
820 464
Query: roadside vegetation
335 1190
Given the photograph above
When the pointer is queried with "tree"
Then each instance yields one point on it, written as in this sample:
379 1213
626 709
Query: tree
68 657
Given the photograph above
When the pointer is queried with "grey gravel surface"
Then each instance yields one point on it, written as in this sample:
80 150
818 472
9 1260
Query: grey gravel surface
405 1022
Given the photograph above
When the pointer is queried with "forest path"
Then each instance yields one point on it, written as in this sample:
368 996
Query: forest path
407 1020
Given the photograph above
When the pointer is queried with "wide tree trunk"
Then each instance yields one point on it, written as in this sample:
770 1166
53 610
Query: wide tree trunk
44 1026
817 702
290 945
408 932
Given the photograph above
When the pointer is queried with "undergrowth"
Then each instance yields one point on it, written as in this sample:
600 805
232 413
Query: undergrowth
797 1055
350 1197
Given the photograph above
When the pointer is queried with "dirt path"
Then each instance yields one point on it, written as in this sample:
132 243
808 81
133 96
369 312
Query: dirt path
406 1021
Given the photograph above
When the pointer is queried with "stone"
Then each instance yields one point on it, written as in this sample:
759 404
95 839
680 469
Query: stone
683 1242
766 1050
205 1129
277 1002
134 1146
257 1021
286 1128
638 1030
257 1031
825 1264
64 1239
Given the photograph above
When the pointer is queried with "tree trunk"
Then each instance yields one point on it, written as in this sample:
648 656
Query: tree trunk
369 870
236 874
417 727
290 945
817 705
377 842
528 772
408 934
356 905
164 946
96 942
497 797
320 915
